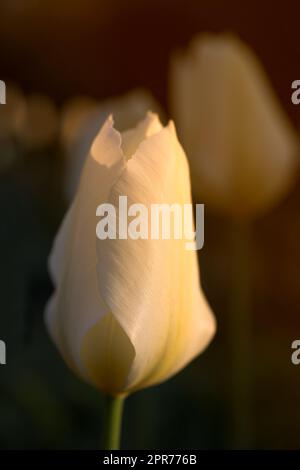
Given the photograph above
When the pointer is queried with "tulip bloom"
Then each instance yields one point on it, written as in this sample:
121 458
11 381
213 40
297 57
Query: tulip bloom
241 146
127 314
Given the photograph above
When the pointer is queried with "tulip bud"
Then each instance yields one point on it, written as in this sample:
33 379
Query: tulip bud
241 146
127 314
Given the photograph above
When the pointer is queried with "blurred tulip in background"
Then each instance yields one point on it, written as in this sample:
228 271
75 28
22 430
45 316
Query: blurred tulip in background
127 314
242 148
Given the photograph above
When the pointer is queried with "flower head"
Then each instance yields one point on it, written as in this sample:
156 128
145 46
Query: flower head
127 313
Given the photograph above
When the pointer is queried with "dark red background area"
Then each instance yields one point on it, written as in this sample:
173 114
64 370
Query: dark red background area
106 47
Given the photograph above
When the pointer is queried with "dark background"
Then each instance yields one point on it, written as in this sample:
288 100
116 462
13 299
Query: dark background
102 48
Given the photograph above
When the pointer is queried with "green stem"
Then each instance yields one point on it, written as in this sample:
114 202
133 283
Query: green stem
113 422
241 337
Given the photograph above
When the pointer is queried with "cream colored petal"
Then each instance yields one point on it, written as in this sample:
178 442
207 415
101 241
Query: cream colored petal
107 351
152 286
82 118
76 305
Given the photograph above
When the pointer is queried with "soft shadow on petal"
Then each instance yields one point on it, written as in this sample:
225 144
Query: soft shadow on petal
107 354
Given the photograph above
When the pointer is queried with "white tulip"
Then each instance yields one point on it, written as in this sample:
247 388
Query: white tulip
127 314
241 146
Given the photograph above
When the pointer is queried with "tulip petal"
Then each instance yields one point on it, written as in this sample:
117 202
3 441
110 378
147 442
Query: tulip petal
76 305
152 286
